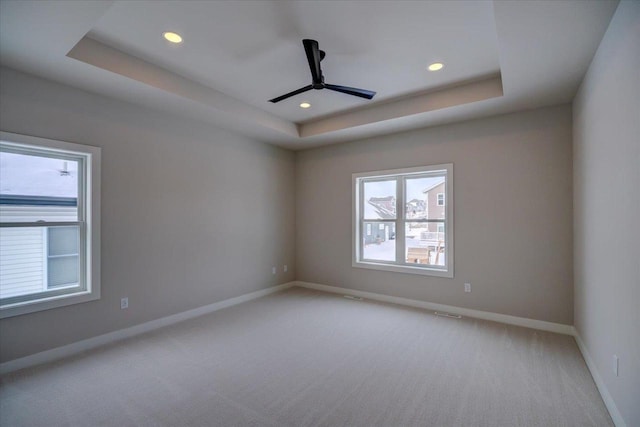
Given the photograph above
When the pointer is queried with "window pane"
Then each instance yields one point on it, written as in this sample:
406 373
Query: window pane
37 188
379 241
422 197
63 271
425 243
63 256
380 200
38 259
64 241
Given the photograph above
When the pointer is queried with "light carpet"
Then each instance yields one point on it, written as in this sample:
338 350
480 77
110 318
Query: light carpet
308 358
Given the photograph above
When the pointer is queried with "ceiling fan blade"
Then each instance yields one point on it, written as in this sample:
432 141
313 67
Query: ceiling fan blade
362 93
290 94
314 57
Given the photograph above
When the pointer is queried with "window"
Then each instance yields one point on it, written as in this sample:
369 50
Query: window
49 224
395 229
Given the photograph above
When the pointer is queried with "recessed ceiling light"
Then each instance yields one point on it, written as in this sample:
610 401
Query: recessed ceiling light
172 37
305 105
436 66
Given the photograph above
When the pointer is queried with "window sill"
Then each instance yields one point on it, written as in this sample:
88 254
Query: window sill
424 271
47 303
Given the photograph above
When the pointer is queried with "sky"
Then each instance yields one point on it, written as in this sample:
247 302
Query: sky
415 188
37 176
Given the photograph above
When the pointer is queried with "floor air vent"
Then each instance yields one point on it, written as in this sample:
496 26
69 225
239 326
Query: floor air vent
452 316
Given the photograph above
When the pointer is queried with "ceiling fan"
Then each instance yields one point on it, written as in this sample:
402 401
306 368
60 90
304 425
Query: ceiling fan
314 56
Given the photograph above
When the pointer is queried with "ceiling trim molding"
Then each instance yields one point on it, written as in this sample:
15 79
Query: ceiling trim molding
100 55
452 96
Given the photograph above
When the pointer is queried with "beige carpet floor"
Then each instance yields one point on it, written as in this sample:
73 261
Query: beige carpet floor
307 358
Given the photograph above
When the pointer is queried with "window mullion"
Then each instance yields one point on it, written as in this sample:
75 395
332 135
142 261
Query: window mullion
400 239
361 219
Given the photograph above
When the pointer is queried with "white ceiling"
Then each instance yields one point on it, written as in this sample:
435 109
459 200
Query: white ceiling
499 56
253 51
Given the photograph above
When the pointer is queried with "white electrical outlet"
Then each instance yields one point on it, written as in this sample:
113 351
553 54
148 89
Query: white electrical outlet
124 303
285 268
616 363
273 270
467 287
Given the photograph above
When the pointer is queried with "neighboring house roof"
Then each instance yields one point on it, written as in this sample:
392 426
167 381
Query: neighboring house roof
377 207
21 200
433 186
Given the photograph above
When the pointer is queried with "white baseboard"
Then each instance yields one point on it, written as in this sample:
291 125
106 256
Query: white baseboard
486 315
90 343
602 388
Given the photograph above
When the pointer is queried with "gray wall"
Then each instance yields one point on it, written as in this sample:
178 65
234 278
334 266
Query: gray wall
191 215
607 209
513 213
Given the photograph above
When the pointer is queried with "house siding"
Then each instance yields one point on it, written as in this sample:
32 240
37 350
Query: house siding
434 211
22 261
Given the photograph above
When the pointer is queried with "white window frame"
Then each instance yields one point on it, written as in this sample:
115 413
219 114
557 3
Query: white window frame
357 203
438 199
88 217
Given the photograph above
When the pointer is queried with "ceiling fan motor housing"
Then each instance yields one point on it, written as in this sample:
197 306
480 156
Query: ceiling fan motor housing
314 56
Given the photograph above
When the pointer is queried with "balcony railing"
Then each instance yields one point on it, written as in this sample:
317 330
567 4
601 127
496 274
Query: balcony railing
432 236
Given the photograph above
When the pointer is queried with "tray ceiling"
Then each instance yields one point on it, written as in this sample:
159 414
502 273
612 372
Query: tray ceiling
498 57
